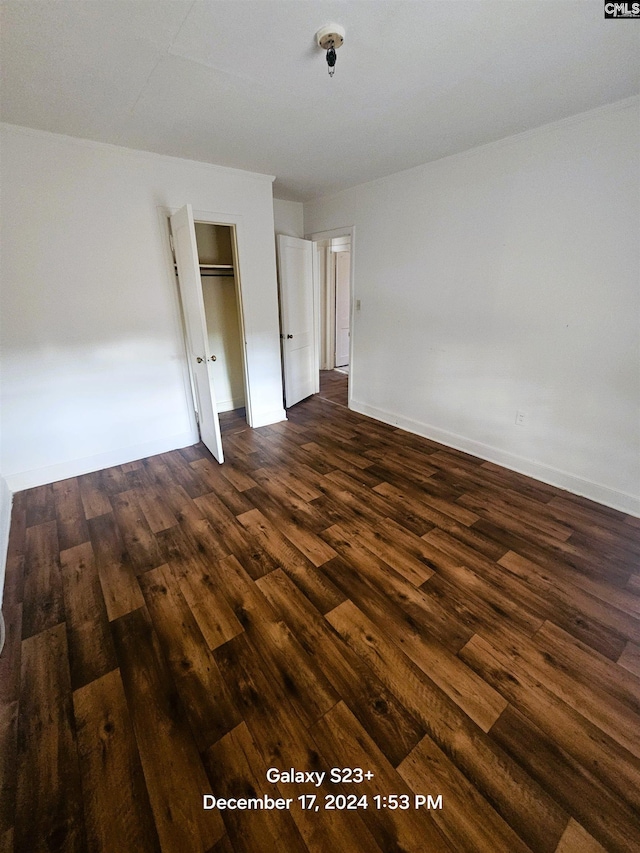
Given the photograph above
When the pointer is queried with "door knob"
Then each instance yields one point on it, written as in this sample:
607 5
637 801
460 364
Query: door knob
289 336
199 360
213 358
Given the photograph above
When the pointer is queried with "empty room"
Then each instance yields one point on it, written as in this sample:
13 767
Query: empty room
319 426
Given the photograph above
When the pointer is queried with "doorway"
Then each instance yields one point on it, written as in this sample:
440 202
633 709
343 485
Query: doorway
316 332
334 284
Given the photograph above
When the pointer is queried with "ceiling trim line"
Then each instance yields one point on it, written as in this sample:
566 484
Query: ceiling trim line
550 127
21 130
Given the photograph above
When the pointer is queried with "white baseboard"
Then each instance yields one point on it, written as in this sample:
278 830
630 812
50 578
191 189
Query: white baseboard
230 405
622 501
21 480
74 467
267 418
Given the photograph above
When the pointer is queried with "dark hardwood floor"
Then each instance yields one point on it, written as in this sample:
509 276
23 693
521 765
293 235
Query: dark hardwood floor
334 387
339 594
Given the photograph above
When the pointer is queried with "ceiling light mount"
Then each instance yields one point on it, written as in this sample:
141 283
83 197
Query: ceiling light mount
330 38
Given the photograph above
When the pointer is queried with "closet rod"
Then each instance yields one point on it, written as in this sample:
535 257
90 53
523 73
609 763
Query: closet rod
214 269
212 266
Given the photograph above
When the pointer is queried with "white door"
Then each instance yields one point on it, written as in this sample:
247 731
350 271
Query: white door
343 301
297 318
200 359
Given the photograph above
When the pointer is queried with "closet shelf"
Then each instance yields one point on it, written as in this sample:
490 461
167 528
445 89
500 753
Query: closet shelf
212 266
218 270
216 266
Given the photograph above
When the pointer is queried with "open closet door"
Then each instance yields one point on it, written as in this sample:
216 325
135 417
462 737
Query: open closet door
299 356
186 251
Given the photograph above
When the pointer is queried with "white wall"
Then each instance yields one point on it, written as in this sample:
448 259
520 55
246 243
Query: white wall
5 520
93 360
502 280
288 217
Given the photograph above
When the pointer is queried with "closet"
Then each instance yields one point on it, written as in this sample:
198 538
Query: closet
208 279
216 258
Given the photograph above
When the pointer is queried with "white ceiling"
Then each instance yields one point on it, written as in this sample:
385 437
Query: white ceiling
242 83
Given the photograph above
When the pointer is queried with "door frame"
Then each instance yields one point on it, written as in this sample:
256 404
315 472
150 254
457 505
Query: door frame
237 231
316 237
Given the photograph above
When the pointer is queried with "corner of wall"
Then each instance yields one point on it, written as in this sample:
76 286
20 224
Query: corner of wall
288 218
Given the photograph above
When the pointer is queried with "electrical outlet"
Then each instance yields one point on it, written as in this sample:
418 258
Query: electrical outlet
520 418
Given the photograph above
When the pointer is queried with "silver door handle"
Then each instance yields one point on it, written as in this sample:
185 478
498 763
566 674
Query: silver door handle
213 358
199 360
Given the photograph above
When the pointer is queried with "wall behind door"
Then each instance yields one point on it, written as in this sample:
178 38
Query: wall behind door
93 362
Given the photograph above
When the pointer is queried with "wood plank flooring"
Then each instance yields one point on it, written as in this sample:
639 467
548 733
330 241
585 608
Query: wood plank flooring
334 386
339 594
